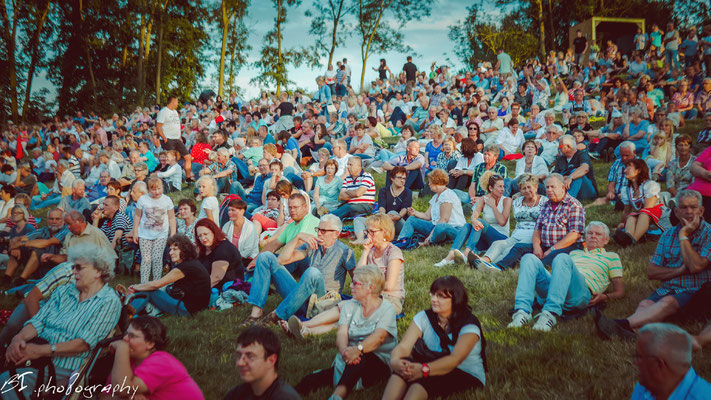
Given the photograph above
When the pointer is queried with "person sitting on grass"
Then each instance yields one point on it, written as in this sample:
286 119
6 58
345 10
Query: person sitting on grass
616 177
663 359
644 210
491 156
322 260
576 167
241 231
142 364
357 191
680 262
257 361
576 281
377 250
394 200
367 333
221 259
189 279
210 207
454 358
327 188
414 162
443 218
494 209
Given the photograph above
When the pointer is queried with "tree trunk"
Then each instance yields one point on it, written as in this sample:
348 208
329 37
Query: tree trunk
336 19
34 45
225 28
551 37
140 82
542 36
365 50
10 34
87 54
280 67
160 58
233 46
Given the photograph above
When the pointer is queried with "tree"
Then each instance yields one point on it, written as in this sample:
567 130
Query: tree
328 17
37 18
238 47
9 32
231 11
274 58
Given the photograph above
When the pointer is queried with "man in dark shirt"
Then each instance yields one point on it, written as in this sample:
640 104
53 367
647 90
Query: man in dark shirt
581 46
410 74
258 351
577 169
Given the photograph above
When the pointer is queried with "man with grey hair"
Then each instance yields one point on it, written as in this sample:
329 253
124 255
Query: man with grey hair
324 261
225 173
491 127
576 281
680 262
77 200
62 186
616 179
577 169
413 162
663 359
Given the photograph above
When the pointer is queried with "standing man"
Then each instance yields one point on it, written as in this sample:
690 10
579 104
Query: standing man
580 44
503 63
258 352
348 70
671 46
410 74
168 129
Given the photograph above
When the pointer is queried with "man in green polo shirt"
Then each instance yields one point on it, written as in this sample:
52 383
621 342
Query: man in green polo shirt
303 221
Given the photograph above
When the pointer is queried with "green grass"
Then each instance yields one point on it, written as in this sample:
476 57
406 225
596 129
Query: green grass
569 362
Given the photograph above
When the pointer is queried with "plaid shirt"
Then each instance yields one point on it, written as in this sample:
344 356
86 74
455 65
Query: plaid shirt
216 168
553 224
668 255
617 175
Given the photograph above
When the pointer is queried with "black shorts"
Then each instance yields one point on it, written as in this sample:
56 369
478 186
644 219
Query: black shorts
175 144
445 385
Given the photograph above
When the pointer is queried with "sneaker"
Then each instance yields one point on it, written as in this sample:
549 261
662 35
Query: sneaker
481 264
459 256
377 170
444 263
611 329
546 321
312 301
520 319
594 155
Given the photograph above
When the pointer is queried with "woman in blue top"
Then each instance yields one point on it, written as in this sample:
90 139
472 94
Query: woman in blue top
421 367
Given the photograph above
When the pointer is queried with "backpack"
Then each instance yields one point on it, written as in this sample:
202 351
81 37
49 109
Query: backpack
223 217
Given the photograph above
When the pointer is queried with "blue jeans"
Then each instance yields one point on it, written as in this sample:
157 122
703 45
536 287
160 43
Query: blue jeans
563 289
52 200
295 179
672 57
520 249
162 301
224 186
582 188
14 324
351 210
486 235
440 232
268 270
243 169
386 155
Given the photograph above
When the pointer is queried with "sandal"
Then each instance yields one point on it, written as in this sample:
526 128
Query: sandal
285 327
250 321
296 327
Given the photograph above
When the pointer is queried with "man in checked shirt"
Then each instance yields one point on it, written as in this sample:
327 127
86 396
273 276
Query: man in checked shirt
680 262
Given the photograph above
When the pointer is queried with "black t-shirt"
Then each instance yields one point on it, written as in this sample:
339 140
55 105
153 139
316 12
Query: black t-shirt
383 72
391 203
195 284
286 108
579 44
279 390
564 167
410 71
225 251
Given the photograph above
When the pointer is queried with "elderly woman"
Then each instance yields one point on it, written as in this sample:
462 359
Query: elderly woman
493 224
367 333
377 250
443 218
218 255
190 290
241 231
531 163
643 206
327 189
141 362
443 351
186 218
74 319
679 168
525 210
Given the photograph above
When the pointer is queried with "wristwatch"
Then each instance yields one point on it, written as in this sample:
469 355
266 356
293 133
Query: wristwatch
683 238
53 349
425 370
360 347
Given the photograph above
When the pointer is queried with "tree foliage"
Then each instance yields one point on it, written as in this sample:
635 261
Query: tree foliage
328 25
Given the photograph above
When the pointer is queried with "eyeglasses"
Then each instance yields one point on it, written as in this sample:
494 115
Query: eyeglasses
77 267
372 232
354 283
401 177
323 231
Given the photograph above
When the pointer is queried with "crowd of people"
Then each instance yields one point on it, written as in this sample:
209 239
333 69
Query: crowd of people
270 191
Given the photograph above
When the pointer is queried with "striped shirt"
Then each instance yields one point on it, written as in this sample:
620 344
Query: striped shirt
668 255
64 318
56 277
598 267
119 222
46 233
617 175
555 223
355 183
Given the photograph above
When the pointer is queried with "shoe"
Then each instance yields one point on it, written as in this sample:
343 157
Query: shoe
377 170
546 321
520 319
459 256
472 258
611 329
312 301
323 303
623 238
296 327
444 263
322 211
19 281
594 155
481 264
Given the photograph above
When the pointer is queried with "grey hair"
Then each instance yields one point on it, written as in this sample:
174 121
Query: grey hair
628 145
223 151
553 127
25 165
23 209
105 153
555 176
527 178
492 109
371 275
95 147
141 186
97 257
140 165
412 140
332 220
682 194
599 224
549 113
75 215
668 342
77 182
568 140
64 164
492 148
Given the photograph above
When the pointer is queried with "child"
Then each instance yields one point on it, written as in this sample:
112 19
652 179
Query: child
265 217
210 207
173 175
659 155
581 142
154 221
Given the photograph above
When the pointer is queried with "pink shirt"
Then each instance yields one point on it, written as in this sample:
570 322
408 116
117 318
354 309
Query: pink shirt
703 186
167 378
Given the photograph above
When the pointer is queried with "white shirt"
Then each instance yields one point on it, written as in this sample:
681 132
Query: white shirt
456 218
171 123
342 165
510 141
